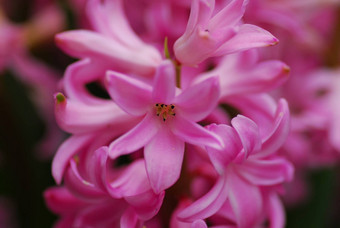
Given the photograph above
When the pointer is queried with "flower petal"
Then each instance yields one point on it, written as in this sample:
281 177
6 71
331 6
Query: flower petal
133 180
164 83
97 169
249 134
132 95
199 224
80 187
229 15
276 211
136 138
207 205
66 151
245 199
280 130
129 219
103 214
267 172
163 158
258 107
193 133
221 158
79 43
200 12
78 74
263 77
107 17
75 117
132 184
146 204
197 102
61 201
248 36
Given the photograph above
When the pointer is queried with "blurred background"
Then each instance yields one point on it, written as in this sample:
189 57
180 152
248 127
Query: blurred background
30 68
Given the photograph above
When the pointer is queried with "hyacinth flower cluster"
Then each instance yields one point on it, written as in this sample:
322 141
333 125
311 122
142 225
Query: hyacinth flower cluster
189 133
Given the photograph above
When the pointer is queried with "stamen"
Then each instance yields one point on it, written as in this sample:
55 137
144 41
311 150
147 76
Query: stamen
165 110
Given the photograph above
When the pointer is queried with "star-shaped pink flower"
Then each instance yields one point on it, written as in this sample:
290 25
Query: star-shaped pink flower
170 120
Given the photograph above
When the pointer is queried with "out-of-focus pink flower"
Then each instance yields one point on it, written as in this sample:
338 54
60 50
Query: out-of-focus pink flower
211 34
247 166
15 41
10 41
334 132
303 22
170 117
313 117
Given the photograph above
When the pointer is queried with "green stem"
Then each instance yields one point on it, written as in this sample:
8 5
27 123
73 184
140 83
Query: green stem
166 48
178 68
177 65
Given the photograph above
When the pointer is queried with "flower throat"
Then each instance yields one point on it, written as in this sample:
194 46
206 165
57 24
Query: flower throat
165 111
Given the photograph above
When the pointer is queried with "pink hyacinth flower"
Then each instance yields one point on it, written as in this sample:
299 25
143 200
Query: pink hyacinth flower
103 190
170 117
211 34
246 164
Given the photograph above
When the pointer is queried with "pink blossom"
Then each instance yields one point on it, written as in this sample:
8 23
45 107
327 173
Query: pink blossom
170 118
10 41
211 34
307 23
246 165
311 140
96 188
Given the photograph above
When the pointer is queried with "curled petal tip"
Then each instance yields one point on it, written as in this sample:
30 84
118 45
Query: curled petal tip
286 69
274 42
60 98
58 39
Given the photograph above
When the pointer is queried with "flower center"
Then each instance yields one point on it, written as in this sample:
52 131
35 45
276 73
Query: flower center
164 110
